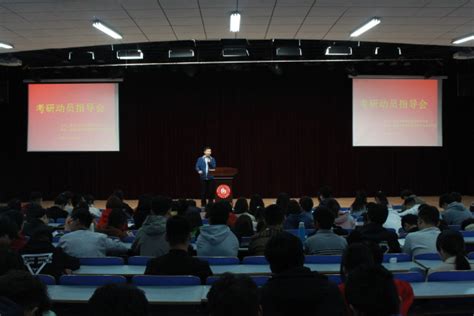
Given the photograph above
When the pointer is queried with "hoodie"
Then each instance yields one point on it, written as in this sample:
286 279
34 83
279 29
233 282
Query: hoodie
345 220
292 221
217 240
151 237
455 213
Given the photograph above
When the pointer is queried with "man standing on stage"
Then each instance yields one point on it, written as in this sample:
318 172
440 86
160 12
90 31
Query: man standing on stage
204 165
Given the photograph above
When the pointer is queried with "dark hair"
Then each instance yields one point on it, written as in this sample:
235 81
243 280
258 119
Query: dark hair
193 216
410 219
60 200
25 290
119 193
243 226
294 207
325 192
8 227
409 201
452 243
282 201
256 204
370 290
78 201
160 205
306 203
89 199
219 213
446 198
42 234
117 218
14 204
178 230
284 251
457 197
16 216
34 211
206 148
354 255
406 193
241 206
83 216
113 202
191 203
35 196
181 206
233 295
382 197
360 201
324 217
377 213
118 300
274 215
333 205
144 202
429 215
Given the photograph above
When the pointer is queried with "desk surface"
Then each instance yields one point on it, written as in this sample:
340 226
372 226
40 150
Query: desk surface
128 270
182 295
430 290
428 264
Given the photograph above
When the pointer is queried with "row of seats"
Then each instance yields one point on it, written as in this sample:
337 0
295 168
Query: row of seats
260 280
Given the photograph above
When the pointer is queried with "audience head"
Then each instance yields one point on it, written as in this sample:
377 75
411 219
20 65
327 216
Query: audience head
282 201
284 251
323 218
306 203
377 213
35 212
191 203
241 206
26 291
274 216
42 234
294 207
113 202
219 213
80 218
428 216
161 205
409 202
325 192
333 205
36 197
243 226
457 197
181 206
406 193
233 295
119 194
89 199
354 255
144 202
256 204
79 201
17 217
178 231
445 200
360 201
60 201
370 291
449 244
118 300
8 230
409 221
381 198
117 219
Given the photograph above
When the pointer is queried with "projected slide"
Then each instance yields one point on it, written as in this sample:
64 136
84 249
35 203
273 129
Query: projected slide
396 112
73 117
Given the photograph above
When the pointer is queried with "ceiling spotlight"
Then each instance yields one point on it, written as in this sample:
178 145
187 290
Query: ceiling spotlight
235 22
5 45
367 26
106 29
463 39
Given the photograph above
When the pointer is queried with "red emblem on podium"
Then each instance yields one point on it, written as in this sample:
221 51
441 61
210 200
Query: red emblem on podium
223 191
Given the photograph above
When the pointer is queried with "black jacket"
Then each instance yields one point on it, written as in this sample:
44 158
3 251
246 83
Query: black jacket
299 291
33 224
9 260
56 212
60 260
179 262
376 233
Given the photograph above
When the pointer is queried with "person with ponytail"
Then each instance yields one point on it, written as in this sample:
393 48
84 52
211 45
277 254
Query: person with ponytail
450 245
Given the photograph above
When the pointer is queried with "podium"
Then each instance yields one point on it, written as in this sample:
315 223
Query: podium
223 177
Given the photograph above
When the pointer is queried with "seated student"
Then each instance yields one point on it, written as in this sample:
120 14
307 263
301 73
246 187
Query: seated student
393 219
96 212
358 207
273 218
9 260
369 254
343 220
17 217
306 204
41 257
283 199
410 223
451 248
295 216
113 202
243 227
454 212
325 241
143 210
233 295
117 221
374 231
81 242
370 291
411 207
118 300
26 291
58 209
325 193
424 240
294 289
35 219
217 239
150 239
241 207
35 198
405 194
178 261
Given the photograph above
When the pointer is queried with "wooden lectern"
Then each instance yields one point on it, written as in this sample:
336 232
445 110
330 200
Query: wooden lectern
223 179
